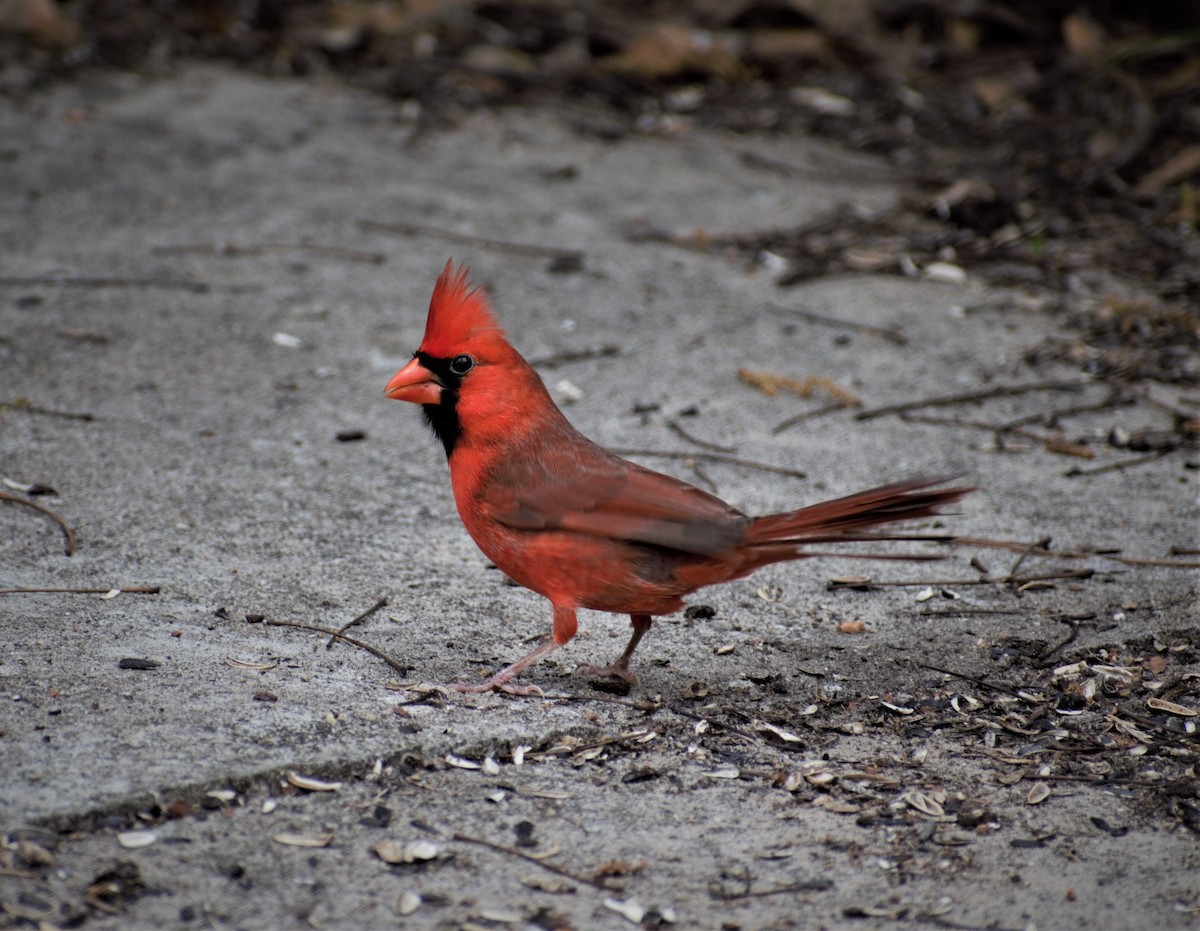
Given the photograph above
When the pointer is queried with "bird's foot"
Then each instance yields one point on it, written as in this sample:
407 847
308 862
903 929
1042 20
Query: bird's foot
616 670
491 685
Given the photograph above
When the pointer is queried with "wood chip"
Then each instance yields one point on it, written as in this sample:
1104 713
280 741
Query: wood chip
631 911
310 783
304 840
765 727
390 851
135 840
544 793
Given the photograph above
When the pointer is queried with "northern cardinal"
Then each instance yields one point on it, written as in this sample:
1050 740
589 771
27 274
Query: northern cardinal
578 524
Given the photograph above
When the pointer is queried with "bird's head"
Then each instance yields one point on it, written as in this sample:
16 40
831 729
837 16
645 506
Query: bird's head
465 369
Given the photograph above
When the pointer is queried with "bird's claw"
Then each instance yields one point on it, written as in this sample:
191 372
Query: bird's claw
492 686
614 671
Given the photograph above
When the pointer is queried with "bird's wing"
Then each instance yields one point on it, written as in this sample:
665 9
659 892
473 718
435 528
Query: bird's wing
586 489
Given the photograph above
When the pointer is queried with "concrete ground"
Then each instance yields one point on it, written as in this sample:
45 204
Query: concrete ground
198 265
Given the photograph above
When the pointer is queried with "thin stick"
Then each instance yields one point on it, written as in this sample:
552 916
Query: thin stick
68 533
1025 553
955 612
889 333
482 242
807 415
85 281
1044 659
1076 472
550 867
400 668
131 590
1040 549
998 391
711 457
704 477
810 885
982 683
232 249
575 355
1066 574
380 603
23 404
679 430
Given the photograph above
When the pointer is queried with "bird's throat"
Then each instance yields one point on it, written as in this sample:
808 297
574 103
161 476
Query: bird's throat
443 418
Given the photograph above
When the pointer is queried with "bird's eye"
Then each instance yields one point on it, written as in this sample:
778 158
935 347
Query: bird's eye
460 365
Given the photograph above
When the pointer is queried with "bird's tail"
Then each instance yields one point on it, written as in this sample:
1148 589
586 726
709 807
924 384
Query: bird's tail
847 520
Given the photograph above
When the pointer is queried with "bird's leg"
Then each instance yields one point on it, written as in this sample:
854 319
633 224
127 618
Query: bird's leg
565 625
620 669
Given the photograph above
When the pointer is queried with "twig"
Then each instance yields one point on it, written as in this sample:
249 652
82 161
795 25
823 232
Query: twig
550 867
1040 549
575 355
85 281
1044 659
1184 739
711 457
810 885
955 612
974 680
399 667
704 477
23 404
1115 397
68 533
1178 413
807 415
679 430
131 590
1025 553
889 333
482 242
997 391
1075 471
932 583
233 250
381 603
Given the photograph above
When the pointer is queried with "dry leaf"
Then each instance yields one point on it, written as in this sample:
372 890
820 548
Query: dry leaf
1159 704
771 384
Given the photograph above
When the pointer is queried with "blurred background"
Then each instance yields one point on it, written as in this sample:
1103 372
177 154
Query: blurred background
1040 140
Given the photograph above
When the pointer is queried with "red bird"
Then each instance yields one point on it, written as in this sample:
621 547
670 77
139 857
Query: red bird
578 524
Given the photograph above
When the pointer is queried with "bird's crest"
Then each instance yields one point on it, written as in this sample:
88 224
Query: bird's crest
459 314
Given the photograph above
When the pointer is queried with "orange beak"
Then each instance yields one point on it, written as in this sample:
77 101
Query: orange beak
416 384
